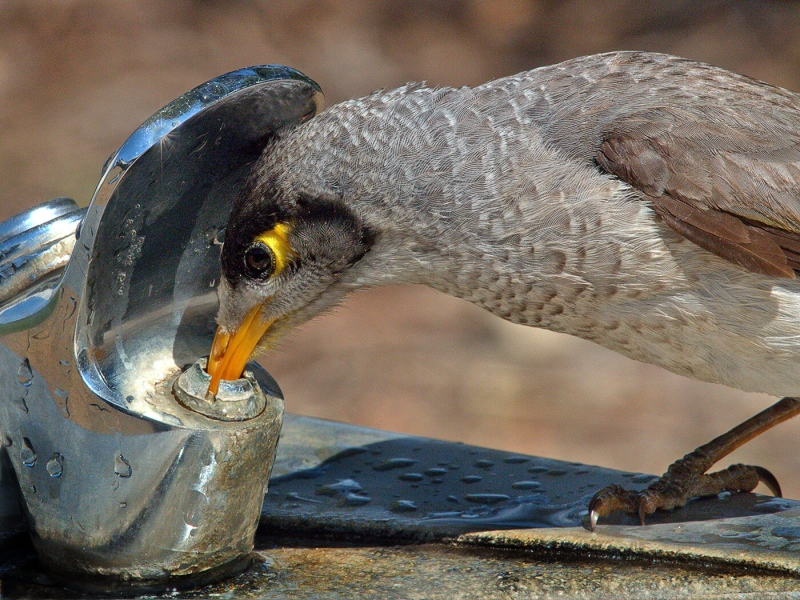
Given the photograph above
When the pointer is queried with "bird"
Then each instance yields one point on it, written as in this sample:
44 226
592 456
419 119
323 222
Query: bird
645 202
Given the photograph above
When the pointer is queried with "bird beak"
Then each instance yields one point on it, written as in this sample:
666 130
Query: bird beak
231 351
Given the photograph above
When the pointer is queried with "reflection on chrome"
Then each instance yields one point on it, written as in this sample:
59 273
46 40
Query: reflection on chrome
101 310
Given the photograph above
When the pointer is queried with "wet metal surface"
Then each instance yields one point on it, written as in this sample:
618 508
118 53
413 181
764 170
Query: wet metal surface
358 513
100 310
329 477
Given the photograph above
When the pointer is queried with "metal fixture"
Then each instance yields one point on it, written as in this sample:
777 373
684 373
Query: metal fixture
130 478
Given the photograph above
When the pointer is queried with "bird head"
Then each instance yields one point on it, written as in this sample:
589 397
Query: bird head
282 261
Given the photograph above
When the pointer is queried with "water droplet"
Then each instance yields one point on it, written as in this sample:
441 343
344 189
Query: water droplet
33 489
537 470
486 498
471 478
55 466
20 403
121 277
453 499
516 460
122 468
297 496
123 505
450 514
484 464
556 472
219 238
356 500
526 485
403 506
436 471
197 502
411 477
27 454
25 373
395 463
64 363
343 486
63 396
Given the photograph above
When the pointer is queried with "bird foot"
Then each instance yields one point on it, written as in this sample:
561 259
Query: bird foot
688 478
685 479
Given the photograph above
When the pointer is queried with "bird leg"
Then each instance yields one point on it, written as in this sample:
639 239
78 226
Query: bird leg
687 478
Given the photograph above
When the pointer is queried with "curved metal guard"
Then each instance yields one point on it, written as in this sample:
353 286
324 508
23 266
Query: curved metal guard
123 485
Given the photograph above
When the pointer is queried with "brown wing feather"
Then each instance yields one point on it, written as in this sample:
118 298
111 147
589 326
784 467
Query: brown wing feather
725 145
749 246
683 204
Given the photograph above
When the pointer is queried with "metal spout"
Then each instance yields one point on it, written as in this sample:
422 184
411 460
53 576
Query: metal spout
131 479
236 400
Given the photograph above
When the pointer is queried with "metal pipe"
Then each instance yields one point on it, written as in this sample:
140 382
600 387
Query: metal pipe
130 479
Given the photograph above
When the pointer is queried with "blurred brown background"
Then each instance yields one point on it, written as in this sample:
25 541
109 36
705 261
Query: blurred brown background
77 76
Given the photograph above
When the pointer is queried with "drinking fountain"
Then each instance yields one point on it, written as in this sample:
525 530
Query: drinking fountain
130 477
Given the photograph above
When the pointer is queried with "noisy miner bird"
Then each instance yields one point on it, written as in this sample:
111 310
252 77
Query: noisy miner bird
645 202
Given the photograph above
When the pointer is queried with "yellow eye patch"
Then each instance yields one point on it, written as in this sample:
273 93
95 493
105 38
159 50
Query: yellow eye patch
277 240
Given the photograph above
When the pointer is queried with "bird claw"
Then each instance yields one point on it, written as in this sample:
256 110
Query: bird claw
676 487
769 480
616 498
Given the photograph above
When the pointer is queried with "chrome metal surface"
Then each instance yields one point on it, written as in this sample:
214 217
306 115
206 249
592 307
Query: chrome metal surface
321 537
123 485
35 247
235 400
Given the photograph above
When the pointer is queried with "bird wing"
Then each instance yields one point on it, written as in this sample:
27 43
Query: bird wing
718 154
722 202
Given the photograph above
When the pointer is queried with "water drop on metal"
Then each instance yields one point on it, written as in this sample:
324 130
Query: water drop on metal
526 485
25 373
55 466
395 463
352 499
27 454
487 499
122 468
63 395
436 471
343 486
403 506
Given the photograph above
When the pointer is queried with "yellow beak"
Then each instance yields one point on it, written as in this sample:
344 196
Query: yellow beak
230 352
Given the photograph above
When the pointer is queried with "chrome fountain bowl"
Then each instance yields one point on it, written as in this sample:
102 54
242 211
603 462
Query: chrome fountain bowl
132 480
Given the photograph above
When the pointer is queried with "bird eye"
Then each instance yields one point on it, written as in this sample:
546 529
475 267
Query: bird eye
259 260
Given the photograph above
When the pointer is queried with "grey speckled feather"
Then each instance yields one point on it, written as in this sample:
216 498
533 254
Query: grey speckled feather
575 197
